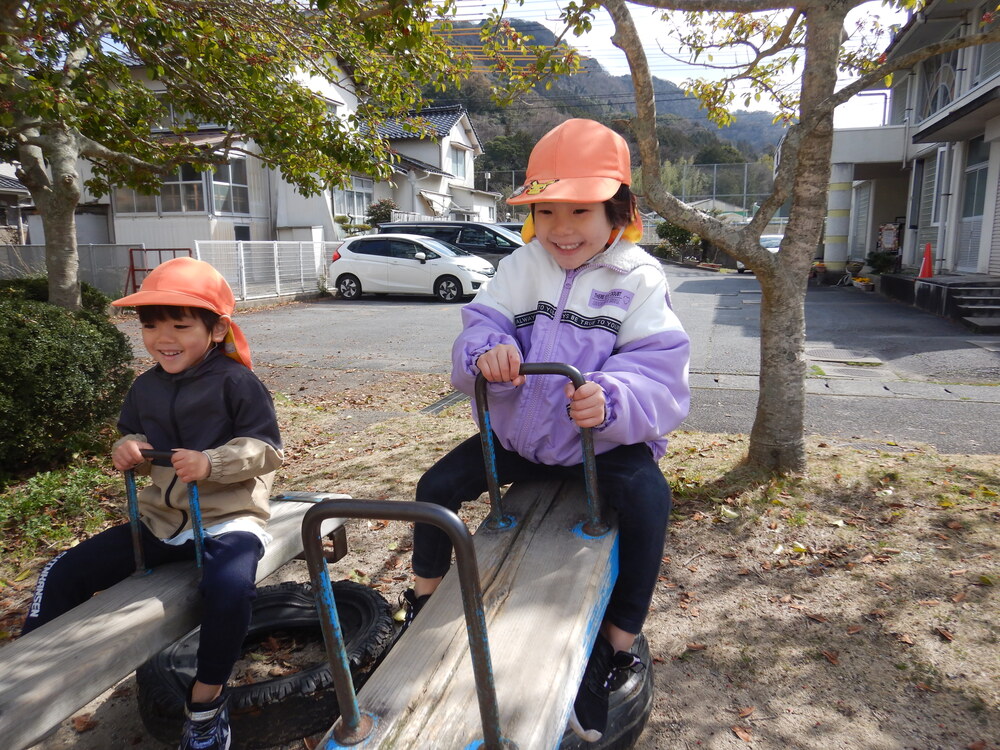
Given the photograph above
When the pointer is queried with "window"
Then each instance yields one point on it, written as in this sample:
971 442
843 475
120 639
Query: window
128 201
458 162
241 233
183 191
373 246
229 188
354 201
939 84
974 188
406 250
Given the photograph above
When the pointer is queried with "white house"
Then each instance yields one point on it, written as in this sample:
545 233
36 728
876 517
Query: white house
434 173
929 176
246 200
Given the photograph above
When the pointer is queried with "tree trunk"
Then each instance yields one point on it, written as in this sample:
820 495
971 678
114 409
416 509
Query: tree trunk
777 440
56 192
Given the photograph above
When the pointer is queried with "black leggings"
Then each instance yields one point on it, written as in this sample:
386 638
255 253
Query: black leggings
227 586
629 480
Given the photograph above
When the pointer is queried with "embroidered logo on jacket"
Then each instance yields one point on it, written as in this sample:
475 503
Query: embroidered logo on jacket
621 298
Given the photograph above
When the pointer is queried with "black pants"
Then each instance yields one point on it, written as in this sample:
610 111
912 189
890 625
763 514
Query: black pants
227 586
629 481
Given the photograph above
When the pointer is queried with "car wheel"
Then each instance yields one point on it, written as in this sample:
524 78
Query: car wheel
741 270
348 287
448 289
628 709
281 709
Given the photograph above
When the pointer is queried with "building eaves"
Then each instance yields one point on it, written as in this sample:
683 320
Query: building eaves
440 119
404 164
10 185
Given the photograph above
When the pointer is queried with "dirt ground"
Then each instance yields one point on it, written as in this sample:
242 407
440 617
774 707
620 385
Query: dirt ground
853 607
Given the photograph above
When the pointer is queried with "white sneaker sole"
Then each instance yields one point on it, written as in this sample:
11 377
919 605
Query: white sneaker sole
587 735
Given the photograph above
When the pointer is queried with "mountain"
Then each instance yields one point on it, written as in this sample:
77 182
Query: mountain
685 131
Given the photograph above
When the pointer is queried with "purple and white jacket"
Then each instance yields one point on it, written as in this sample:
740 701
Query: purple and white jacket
611 319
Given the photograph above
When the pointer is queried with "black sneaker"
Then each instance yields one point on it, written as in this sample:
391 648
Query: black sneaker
606 672
207 725
411 604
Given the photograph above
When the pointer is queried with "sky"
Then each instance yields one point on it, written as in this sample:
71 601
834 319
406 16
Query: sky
862 111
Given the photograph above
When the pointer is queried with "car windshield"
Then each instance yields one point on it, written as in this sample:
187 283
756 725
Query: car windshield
508 234
771 240
445 248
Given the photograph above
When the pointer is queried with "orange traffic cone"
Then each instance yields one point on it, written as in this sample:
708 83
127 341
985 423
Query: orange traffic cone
927 265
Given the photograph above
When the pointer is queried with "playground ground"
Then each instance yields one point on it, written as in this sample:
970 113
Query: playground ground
852 607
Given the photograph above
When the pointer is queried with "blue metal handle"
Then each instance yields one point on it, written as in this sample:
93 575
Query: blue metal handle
595 524
194 506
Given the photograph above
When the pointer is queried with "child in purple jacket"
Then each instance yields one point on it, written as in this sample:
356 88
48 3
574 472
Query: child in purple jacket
582 293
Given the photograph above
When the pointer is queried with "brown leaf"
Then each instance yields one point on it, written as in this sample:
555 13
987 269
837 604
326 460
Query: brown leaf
743 733
83 723
905 638
854 629
883 585
925 687
944 634
960 572
745 712
929 602
696 647
743 572
310 743
955 525
977 745
832 657
817 618
959 597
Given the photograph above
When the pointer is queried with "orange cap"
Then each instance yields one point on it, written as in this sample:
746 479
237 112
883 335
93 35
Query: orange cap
579 161
187 282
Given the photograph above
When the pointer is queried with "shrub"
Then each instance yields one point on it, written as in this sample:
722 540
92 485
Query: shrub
881 262
673 234
380 212
62 375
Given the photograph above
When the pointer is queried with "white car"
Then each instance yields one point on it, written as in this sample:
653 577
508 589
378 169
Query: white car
406 264
770 242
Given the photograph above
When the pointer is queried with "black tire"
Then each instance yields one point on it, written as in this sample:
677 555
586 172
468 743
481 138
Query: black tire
628 709
349 286
448 289
741 270
280 710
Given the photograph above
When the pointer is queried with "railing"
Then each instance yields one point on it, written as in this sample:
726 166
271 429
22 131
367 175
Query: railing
257 270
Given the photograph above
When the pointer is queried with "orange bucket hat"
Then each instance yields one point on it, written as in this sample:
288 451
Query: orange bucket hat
579 161
187 282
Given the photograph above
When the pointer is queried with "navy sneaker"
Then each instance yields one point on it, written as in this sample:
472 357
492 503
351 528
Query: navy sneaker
606 672
207 725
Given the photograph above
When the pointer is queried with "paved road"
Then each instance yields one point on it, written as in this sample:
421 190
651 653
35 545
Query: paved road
879 370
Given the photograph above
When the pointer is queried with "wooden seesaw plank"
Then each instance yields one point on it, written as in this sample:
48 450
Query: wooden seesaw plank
545 588
57 669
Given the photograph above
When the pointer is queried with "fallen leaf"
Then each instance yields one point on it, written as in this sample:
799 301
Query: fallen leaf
925 687
960 572
978 745
885 586
959 597
743 572
83 723
817 618
743 733
985 580
944 634
745 712
929 602
854 629
905 638
696 647
832 657
954 525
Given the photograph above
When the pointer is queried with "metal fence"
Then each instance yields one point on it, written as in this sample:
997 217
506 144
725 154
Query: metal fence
102 266
255 270
268 269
